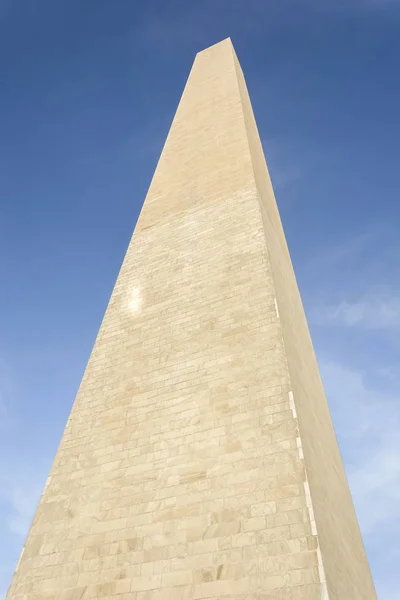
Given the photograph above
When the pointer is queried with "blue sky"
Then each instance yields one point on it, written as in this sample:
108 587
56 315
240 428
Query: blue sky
88 89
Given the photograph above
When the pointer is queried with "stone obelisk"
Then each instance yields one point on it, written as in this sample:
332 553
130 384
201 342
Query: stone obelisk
199 460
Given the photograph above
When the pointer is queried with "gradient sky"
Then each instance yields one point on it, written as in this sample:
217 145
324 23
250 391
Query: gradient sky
88 89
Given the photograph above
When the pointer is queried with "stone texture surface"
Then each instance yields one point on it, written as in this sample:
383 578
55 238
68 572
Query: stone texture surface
199 460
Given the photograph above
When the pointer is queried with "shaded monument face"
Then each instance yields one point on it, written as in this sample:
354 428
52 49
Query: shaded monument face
199 460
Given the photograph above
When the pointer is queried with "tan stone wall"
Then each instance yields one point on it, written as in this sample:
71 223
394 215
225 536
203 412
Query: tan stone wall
179 474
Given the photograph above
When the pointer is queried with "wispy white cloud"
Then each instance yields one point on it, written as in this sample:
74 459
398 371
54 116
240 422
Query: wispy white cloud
347 250
20 488
390 372
373 311
22 499
376 486
5 575
19 494
367 422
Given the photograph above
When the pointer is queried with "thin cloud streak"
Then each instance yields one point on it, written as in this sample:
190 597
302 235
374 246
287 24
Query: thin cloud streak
367 422
372 312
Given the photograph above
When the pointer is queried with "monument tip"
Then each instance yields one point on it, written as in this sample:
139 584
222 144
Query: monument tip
224 42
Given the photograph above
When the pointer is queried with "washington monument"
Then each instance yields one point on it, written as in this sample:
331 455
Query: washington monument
199 460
